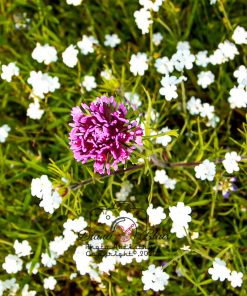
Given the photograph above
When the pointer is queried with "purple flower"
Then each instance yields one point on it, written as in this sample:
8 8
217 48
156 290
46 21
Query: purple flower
103 133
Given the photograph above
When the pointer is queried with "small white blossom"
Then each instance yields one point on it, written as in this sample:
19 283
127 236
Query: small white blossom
194 106
240 35
154 278
70 56
89 82
12 264
87 43
236 279
112 40
230 162
106 74
241 75
207 111
48 260
8 71
50 283
34 111
143 20
206 170
138 63
44 54
157 38
219 270
238 97
202 58
155 215
25 291
164 65
4 132
106 217
22 249
205 78
164 140
35 267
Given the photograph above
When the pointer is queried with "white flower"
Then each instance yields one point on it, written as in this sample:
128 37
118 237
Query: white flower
238 97
206 170
44 54
134 99
164 140
70 56
194 106
126 188
108 263
41 186
155 215
183 58
164 65
143 19
157 38
213 1
228 49
48 260
160 176
138 63
169 87
236 279
230 162
50 283
154 278
83 260
106 217
9 284
180 216
194 235
12 264
51 202
42 83
241 75
25 291
4 132
8 71
240 35
59 245
74 2
34 111
207 111
219 270
22 249
77 225
89 82
212 122
217 57
185 248
205 78
112 40
35 267
202 58
87 43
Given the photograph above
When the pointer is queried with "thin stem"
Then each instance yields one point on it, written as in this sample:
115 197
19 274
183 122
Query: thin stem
159 163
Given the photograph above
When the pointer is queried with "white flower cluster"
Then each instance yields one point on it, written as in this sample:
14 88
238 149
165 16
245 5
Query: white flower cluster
206 170
50 198
4 132
169 86
42 83
205 110
8 71
13 263
9 285
225 52
44 54
162 178
183 58
156 215
219 271
143 16
238 94
89 82
112 40
124 192
180 216
154 278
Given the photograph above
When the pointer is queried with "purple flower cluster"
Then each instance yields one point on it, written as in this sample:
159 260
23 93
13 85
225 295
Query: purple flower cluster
103 133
